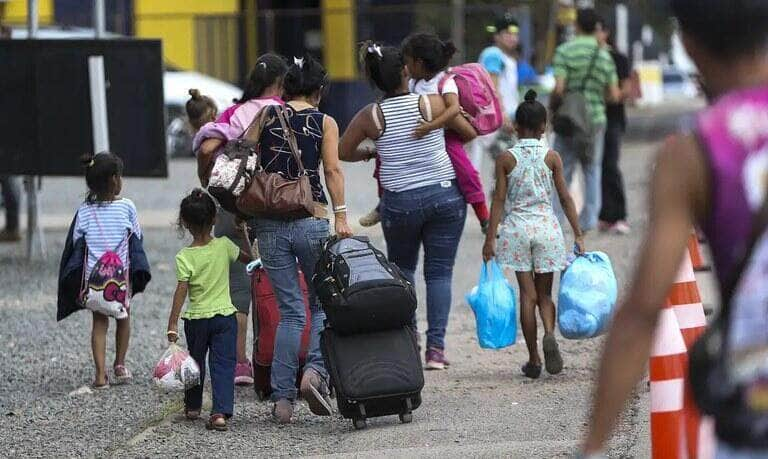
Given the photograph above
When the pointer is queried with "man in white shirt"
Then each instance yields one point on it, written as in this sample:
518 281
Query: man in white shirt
499 60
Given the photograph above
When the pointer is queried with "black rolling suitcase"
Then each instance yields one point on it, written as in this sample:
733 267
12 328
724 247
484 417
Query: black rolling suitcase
374 374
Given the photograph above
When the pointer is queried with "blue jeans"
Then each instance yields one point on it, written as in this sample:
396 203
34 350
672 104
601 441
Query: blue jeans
217 338
725 451
281 244
432 216
593 172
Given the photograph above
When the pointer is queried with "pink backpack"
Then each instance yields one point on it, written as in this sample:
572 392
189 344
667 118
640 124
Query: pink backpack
477 96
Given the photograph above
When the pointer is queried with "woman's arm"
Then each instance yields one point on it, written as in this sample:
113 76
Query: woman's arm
360 128
452 110
566 200
178 301
334 176
205 156
504 165
679 191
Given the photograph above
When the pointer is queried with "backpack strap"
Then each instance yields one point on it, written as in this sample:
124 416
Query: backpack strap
427 107
587 76
375 109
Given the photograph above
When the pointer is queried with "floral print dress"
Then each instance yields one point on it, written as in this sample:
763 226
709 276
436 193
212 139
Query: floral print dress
530 237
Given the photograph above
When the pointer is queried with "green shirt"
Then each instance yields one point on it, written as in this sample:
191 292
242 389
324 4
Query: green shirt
206 269
572 62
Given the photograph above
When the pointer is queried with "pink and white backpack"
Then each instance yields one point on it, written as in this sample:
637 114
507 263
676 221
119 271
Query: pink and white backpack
477 96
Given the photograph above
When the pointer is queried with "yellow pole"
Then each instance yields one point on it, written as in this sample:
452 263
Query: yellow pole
339 21
251 34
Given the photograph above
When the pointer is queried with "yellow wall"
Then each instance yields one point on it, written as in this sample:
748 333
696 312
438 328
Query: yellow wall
173 21
16 12
339 38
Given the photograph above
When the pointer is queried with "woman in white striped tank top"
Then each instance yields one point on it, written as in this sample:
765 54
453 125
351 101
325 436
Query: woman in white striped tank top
421 204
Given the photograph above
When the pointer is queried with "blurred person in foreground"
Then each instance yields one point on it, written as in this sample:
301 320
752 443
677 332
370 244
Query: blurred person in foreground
613 213
715 177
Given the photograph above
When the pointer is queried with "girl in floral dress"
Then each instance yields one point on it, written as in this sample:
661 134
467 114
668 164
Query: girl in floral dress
530 238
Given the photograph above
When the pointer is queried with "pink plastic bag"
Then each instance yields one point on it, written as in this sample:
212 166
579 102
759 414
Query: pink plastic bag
176 370
477 96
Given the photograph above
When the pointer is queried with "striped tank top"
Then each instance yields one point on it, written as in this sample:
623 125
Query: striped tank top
407 162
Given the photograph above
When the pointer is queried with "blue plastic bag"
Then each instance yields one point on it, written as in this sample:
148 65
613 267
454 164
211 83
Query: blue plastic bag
493 302
587 296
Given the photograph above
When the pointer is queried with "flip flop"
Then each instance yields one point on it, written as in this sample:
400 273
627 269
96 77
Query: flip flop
122 374
553 361
531 371
100 387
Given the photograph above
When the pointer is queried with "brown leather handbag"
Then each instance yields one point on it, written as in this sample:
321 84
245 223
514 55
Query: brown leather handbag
271 195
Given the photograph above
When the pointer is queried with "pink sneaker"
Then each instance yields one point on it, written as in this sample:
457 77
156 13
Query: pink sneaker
243 373
621 227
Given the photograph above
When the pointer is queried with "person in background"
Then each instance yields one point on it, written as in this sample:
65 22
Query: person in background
531 241
714 178
264 88
10 186
582 65
421 204
613 214
202 272
288 243
500 61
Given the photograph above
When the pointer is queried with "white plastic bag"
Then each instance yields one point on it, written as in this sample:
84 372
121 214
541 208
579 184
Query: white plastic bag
176 370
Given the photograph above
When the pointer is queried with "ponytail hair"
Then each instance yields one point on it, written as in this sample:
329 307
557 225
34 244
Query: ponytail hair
305 77
268 69
433 52
200 109
99 170
383 66
531 114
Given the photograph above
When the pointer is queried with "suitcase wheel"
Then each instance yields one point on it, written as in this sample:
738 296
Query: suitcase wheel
359 423
406 418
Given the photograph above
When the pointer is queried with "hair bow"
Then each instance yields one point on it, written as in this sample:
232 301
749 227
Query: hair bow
374 48
299 62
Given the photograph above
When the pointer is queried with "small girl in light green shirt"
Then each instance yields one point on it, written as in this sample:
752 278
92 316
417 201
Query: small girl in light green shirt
202 271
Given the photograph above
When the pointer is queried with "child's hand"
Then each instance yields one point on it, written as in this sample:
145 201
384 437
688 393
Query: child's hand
172 334
423 129
579 242
489 250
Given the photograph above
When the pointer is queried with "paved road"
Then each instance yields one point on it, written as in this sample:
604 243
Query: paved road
480 407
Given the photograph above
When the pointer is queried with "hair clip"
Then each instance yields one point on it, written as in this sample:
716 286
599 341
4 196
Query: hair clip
299 62
374 48
263 64
91 163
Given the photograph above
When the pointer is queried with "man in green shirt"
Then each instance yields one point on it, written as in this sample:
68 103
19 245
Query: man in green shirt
582 65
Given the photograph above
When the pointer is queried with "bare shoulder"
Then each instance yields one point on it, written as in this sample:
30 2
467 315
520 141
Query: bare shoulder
506 161
329 123
552 159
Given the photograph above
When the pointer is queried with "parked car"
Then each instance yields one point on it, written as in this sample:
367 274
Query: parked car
176 86
678 84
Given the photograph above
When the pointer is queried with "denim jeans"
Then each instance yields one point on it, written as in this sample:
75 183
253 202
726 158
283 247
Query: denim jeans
282 244
592 177
10 189
725 451
217 338
239 280
432 216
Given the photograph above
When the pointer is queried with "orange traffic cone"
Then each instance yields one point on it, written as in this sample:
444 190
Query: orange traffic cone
684 299
669 361
695 251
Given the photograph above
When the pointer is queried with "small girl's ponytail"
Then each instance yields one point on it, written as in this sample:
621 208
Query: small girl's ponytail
200 109
197 212
530 96
99 170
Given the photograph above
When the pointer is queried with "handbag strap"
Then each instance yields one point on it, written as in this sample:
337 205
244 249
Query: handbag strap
583 85
285 125
253 131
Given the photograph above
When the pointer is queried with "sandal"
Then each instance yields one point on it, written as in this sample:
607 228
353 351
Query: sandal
217 422
553 361
531 371
122 374
100 387
191 415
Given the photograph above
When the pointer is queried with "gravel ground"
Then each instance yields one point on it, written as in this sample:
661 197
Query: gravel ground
481 407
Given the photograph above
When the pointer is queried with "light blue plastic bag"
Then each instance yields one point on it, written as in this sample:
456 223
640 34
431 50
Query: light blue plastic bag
493 302
587 296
